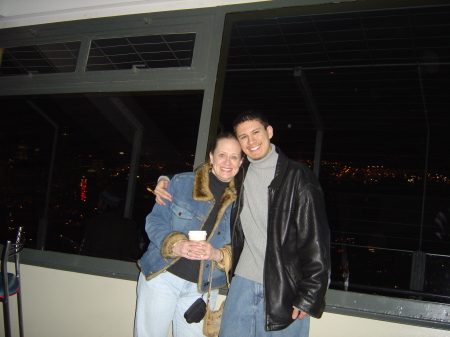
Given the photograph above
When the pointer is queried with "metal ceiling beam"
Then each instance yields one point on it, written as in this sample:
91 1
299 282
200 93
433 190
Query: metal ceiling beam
311 105
378 65
303 84
43 222
134 164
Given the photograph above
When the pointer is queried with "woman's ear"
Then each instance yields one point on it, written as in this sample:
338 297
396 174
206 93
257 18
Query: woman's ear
211 158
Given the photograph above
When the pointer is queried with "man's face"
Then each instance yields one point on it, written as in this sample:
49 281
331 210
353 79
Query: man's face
254 138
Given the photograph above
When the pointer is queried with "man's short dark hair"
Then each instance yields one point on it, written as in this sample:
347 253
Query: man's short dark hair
250 115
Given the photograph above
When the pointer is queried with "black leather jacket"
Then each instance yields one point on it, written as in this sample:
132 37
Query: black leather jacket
297 262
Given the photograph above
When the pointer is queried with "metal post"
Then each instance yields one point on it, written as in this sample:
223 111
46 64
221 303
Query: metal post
302 82
134 165
43 222
418 271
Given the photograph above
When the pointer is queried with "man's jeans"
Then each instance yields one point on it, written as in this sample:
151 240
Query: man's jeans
244 313
164 300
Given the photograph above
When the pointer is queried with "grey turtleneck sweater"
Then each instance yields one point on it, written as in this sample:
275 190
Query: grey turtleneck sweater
254 216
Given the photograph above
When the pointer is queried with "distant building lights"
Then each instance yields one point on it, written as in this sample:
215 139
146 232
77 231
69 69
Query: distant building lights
83 190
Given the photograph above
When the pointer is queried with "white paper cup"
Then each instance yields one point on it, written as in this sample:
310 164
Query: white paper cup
197 235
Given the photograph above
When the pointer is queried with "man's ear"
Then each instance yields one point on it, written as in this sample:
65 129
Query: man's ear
269 130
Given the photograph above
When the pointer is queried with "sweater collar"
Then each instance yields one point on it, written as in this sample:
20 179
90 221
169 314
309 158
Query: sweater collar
268 161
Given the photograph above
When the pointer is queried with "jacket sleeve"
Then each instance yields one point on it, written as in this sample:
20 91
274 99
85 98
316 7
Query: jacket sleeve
168 243
225 264
313 249
158 224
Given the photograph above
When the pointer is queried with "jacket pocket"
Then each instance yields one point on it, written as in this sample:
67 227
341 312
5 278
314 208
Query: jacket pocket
293 276
183 219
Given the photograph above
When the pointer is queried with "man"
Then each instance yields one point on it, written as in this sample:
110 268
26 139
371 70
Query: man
280 240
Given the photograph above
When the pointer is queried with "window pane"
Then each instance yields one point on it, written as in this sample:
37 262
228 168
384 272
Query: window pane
40 59
375 83
94 142
437 276
154 51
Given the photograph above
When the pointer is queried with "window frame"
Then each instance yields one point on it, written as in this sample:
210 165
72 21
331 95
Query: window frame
206 73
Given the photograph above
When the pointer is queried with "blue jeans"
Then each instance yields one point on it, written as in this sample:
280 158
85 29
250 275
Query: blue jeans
164 300
244 313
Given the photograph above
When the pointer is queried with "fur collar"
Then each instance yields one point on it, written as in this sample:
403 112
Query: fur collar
201 191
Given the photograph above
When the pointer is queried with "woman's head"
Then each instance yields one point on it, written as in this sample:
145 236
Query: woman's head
225 156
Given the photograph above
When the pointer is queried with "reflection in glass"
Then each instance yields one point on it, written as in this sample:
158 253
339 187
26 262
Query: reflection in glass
383 132
94 143
153 51
40 59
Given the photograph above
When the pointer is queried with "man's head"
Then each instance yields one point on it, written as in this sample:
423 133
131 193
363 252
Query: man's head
253 131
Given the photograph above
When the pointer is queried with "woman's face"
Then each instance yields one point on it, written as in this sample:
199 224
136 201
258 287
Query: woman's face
226 159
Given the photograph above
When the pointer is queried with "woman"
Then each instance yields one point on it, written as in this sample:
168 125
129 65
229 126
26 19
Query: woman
175 271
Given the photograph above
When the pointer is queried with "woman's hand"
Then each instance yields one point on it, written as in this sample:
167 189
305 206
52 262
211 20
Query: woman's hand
197 250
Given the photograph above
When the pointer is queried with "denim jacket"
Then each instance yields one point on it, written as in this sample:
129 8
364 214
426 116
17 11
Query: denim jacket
191 204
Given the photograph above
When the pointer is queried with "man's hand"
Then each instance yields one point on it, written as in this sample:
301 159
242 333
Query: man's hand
161 193
297 314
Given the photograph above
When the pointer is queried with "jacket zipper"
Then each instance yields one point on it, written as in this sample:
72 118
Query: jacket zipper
238 212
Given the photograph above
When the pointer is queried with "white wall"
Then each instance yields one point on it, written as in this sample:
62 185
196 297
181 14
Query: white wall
15 13
65 304
59 303
332 325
